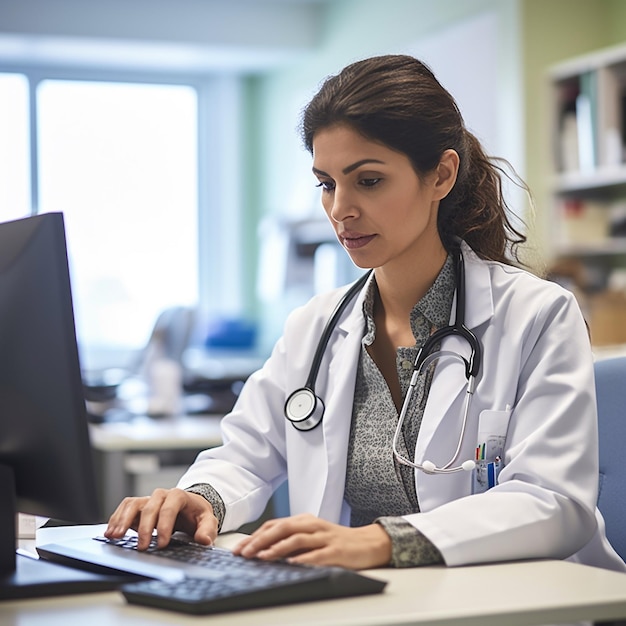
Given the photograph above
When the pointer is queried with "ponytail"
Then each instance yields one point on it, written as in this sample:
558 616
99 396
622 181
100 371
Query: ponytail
476 211
396 100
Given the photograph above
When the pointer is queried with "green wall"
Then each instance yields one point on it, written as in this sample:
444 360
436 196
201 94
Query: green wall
352 29
554 31
535 34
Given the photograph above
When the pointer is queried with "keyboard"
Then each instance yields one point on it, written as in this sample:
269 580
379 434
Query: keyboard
235 583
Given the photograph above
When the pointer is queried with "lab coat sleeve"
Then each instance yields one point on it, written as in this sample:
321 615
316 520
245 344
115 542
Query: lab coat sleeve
251 463
544 503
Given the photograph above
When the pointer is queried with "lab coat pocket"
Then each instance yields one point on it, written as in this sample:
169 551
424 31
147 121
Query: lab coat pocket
492 428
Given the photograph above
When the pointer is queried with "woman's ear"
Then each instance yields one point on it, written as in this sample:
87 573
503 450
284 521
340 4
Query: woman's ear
447 171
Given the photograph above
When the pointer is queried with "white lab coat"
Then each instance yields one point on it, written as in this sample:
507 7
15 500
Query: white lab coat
536 381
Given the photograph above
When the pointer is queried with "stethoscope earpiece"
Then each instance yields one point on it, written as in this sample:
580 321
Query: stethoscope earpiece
305 410
468 465
430 468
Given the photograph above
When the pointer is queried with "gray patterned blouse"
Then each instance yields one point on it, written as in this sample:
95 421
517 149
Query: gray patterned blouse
378 488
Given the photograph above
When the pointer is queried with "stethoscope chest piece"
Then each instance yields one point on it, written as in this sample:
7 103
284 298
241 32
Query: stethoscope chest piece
304 409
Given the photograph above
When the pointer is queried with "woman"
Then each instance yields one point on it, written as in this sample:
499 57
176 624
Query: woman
411 194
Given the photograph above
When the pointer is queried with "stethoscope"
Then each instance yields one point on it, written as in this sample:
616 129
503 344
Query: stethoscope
305 410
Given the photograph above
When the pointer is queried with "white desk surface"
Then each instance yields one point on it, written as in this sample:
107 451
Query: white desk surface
515 594
147 433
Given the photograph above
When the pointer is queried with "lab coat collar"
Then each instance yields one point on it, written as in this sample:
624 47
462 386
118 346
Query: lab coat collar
479 295
346 347
478 301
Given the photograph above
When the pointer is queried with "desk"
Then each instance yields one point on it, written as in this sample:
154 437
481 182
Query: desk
519 594
129 454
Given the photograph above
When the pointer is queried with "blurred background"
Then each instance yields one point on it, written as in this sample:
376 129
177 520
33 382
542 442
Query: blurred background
166 132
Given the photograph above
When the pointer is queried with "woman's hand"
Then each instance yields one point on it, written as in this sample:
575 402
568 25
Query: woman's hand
308 539
166 510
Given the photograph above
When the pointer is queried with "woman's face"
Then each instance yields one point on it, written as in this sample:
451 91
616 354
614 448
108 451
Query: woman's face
381 211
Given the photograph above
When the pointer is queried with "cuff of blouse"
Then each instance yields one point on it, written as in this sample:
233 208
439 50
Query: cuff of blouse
213 498
409 548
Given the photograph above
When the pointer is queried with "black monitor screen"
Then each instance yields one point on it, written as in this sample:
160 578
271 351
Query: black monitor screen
45 457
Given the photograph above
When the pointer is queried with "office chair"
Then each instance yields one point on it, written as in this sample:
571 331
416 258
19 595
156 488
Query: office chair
611 397
172 331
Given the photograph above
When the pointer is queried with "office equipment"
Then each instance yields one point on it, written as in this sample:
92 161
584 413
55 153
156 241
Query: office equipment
611 398
191 578
160 364
45 456
521 593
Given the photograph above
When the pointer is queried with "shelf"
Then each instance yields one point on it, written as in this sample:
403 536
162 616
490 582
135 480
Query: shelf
609 247
588 62
598 179
588 188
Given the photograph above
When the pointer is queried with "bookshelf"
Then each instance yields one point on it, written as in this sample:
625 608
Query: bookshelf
588 190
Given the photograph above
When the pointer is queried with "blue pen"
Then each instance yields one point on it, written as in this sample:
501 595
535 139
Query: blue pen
491 474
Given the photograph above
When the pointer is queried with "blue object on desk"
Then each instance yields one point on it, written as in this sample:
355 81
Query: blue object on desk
231 333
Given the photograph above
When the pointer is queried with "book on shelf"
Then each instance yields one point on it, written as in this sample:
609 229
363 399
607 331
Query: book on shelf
583 221
567 134
586 121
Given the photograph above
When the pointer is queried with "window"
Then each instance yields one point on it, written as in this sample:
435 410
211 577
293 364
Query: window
120 161
146 169
120 155
14 147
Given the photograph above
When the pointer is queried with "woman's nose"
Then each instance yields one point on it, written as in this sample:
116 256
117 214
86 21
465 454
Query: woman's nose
343 205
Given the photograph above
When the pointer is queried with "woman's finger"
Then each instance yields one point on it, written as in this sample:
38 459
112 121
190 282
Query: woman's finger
274 531
149 519
125 516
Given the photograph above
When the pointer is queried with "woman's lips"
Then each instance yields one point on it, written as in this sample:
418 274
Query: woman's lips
355 241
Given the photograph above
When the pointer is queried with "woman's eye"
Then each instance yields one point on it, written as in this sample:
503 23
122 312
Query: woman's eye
369 182
326 185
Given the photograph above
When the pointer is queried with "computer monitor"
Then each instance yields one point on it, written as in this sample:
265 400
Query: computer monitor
45 457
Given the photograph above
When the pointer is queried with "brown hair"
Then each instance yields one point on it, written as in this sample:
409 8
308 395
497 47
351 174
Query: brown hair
397 101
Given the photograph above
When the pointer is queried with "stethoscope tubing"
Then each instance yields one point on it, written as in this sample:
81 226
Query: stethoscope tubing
305 410
426 466
330 326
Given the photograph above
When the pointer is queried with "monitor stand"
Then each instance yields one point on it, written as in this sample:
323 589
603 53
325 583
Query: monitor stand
24 576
